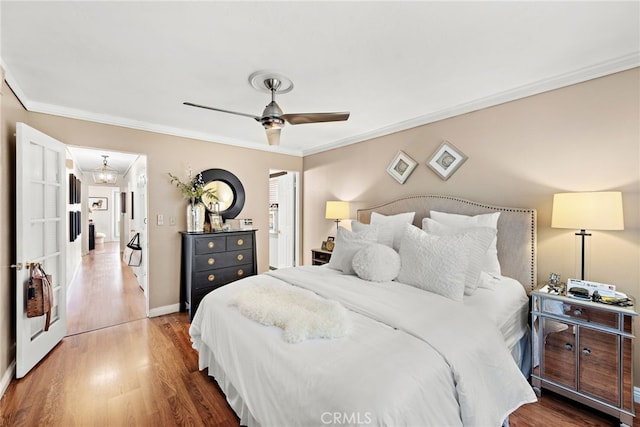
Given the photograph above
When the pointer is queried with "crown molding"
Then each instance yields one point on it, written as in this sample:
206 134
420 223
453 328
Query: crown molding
602 69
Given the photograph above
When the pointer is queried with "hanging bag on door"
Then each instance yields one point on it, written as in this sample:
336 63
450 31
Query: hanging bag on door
133 252
39 294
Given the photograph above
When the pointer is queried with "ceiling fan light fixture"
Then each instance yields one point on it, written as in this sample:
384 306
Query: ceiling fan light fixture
105 174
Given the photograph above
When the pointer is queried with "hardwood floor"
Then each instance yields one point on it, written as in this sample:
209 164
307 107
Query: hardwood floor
104 292
145 373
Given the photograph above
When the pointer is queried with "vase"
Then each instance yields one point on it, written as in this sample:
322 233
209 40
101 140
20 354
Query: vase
195 216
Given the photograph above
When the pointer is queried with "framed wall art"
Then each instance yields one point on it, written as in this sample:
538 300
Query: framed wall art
98 203
401 167
446 160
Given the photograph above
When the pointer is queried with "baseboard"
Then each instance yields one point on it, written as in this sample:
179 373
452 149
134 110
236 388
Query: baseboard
7 377
167 309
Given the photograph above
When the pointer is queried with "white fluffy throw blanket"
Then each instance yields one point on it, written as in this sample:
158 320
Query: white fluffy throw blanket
300 313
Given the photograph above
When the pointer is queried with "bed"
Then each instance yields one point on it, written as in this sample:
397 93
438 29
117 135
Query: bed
390 352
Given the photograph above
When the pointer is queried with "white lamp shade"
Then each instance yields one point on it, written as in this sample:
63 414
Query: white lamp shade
588 211
337 210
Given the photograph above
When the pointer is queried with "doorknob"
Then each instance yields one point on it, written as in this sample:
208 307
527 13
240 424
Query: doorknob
17 266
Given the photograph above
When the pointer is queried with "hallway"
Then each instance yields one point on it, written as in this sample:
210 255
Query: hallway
104 292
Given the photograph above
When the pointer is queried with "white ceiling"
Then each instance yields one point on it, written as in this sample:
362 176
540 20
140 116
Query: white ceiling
393 65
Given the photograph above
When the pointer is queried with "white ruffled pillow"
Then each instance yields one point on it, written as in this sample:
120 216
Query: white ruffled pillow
483 237
437 264
491 264
347 243
393 224
376 263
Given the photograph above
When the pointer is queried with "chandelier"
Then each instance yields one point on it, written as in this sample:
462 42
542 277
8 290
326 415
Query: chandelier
105 174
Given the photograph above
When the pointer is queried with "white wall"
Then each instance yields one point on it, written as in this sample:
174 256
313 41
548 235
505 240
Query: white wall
103 219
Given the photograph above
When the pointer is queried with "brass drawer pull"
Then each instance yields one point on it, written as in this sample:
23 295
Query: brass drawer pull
240 242
240 257
211 245
211 277
211 261
240 273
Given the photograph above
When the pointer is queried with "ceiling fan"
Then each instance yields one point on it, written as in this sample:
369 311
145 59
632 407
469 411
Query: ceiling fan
273 119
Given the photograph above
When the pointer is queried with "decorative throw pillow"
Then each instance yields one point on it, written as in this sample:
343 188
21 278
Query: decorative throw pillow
482 239
376 263
491 263
393 224
347 243
385 234
435 263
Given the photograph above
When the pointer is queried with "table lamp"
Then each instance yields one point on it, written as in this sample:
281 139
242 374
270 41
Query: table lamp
589 210
336 211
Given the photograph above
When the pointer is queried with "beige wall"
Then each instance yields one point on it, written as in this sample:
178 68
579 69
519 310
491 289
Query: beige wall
579 138
164 154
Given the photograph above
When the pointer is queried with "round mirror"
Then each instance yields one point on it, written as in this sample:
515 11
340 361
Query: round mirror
222 196
228 191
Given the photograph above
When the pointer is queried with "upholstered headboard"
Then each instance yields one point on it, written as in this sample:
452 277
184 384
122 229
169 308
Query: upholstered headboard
516 229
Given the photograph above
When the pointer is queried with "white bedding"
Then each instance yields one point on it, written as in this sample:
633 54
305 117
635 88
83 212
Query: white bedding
386 371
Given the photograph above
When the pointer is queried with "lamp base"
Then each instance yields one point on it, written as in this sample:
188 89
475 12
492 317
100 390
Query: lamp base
582 234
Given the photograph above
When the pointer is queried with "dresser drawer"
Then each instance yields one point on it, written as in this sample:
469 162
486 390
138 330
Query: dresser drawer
221 276
240 241
223 259
210 244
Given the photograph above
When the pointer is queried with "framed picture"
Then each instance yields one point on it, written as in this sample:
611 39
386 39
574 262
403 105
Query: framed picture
78 193
98 203
123 202
216 222
446 160
401 167
72 189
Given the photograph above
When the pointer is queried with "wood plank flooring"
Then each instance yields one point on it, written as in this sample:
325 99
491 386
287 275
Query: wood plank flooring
104 292
145 373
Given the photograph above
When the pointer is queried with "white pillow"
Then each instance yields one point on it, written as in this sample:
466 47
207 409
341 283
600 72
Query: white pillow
393 224
483 237
347 243
433 263
385 234
376 263
491 264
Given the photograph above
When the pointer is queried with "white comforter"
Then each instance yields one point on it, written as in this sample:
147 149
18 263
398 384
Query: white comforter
412 358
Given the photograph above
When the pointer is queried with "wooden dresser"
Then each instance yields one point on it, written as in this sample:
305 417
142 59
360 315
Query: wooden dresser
211 260
584 350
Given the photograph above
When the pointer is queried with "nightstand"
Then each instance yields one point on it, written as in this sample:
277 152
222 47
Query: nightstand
584 350
320 256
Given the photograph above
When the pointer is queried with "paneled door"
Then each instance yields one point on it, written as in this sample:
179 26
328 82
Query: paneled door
41 231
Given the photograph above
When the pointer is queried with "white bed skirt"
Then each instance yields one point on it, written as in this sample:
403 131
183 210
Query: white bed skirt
206 360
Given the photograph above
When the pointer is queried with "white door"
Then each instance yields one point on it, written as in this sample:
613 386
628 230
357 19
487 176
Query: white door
286 220
41 236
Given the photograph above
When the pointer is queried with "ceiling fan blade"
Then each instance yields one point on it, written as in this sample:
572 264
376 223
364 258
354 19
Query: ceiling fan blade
303 118
191 104
273 135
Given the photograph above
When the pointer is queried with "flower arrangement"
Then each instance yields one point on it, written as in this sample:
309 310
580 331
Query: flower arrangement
194 187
